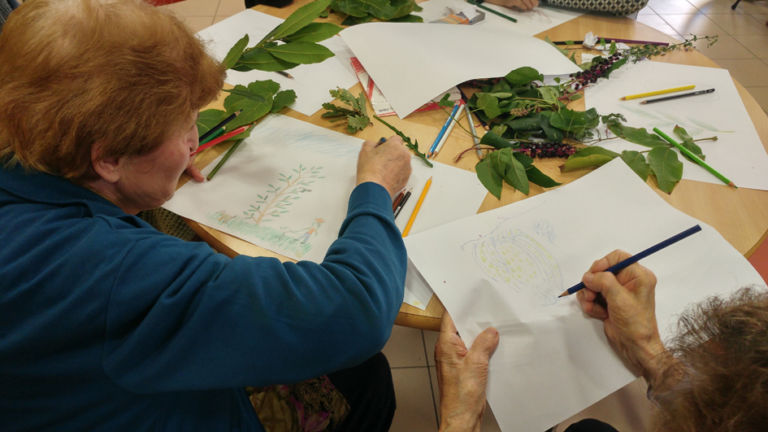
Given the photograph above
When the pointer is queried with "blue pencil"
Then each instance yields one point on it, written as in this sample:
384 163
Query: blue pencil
445 126
635 258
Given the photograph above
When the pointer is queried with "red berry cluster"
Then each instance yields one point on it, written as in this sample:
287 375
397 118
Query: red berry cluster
600 66
547 149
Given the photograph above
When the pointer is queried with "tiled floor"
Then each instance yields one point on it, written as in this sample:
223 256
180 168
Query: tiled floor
742 48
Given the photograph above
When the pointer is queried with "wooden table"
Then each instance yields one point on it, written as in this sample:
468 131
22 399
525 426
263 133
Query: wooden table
741 215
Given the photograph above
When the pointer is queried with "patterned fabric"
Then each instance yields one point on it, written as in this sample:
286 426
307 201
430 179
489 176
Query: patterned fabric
612 7
168 222
314 405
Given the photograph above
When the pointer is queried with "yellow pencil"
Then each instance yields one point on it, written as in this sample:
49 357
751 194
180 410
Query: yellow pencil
658 92
418 206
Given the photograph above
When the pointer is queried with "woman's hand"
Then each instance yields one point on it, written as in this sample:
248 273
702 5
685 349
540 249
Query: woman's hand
626 305
462 376
516 4
387 163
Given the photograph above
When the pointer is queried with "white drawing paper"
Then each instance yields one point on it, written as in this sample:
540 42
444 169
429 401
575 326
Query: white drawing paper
738 153
506 267
287 186
415 62
311 82
528 22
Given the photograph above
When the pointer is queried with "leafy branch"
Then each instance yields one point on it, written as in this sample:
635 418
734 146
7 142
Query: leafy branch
360 11
408 143
291 43
356 116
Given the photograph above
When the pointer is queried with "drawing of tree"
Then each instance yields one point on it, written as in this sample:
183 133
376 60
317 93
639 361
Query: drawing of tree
280 196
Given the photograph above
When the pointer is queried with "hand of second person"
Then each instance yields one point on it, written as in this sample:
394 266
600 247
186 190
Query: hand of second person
516 4
388 164
462 376
630 317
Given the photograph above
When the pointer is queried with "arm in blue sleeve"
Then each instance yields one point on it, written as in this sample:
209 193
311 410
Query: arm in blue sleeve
183 318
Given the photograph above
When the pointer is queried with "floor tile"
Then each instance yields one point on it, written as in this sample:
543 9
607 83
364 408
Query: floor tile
740 24
749 72
627 409
228 8
761 96
190 8
430 339
757 45
659 24
671 6
415 407
696 23
716 6
726 48
646 11
753 7
405 348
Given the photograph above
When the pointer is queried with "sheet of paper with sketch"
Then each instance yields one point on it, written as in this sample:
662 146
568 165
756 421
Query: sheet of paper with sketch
506 267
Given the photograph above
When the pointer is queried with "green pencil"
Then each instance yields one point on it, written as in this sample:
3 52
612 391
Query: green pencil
486 8
695 158
224 159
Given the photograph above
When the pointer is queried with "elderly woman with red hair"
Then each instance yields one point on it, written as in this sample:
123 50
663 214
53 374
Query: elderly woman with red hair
108 324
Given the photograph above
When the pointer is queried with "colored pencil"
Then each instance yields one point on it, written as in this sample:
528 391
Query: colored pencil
486 8
212 136
401 204
224 159
616 268
396 201
222 138
445 127
454 119
658 92
666 98
417 208
285 74
220 124
695 158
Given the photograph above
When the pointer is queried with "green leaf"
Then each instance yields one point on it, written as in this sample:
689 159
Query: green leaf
261 59
297 20
537 177
550 94
528 123
283 99
445 101
492 139
523 75
255 101
314 32
553 134
357 123
666 168
687 142
578 123
489 104
408 18
208 119
589 157
503 161
636 135
488 177
235 53
301 52
637 162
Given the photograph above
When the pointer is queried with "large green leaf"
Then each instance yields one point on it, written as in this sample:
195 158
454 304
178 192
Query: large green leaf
492 139
553 134
589 157
537 177
575 122
636 135
637 162
298 20
283 99
301 52
314 32
687 142
208 119
255 101
488 177
352 8
504 161
489 104
665 166
523 75
259 58
235 53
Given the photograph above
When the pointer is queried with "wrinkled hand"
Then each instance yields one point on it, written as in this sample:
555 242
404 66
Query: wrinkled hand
630 317
516 4
462 376
388 164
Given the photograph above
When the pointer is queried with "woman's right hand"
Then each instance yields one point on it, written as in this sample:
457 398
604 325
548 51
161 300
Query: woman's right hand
626 304
387 163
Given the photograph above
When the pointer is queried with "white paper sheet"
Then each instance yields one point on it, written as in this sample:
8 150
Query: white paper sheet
505 268
738 152
311 82
414 62
252 197
528 22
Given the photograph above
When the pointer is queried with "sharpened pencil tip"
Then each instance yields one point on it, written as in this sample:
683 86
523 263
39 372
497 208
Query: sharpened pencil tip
643 102
565 293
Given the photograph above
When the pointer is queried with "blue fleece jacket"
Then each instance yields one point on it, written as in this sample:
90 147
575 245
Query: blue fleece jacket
108 324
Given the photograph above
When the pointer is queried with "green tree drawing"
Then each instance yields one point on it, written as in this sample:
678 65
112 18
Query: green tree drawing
276 201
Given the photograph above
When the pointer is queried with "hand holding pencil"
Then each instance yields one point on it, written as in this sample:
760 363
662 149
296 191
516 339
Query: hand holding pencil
387 163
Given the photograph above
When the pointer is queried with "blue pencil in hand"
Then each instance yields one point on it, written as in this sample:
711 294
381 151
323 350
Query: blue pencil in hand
621 265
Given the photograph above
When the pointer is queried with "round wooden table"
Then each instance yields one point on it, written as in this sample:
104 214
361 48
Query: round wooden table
740 215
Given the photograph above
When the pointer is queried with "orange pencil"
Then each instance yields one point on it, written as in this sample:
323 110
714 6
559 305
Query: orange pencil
418 206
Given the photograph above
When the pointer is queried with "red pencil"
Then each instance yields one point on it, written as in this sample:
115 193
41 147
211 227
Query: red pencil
222 138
